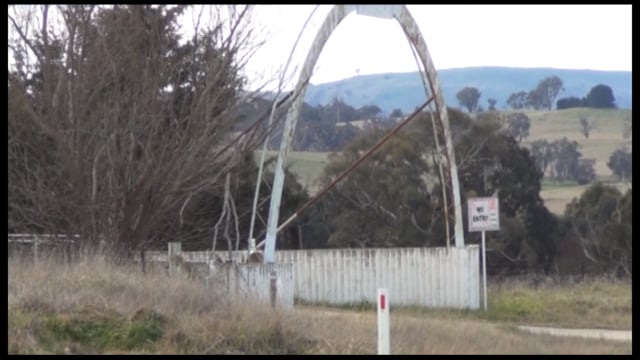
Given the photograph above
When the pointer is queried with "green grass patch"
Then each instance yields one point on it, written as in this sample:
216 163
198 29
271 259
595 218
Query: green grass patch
91 331
357 306
590 304
518 307
308 166
604 304
95 332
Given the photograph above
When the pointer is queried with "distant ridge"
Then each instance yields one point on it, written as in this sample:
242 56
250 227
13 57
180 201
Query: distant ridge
405 90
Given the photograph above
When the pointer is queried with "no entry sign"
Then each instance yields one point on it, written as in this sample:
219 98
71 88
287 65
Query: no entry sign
483 214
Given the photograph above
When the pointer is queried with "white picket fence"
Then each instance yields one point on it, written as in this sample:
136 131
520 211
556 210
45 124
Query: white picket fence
431 277
272 283
32 245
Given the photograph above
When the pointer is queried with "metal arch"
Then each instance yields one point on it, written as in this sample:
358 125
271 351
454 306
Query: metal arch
331 22
412 31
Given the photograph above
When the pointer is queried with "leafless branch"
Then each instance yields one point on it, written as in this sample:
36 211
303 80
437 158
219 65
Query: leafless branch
24 38
124 127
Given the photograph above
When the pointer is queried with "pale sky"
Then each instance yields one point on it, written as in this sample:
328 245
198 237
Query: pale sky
596 37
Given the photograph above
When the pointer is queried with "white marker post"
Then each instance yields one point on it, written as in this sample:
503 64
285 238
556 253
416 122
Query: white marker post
484 271
484 215
384 347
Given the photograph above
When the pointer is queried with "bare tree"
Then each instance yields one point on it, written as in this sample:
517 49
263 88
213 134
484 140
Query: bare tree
518 125
116 122
585 126
548 90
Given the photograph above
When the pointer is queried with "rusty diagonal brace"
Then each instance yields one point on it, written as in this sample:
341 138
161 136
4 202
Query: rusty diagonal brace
252 126
344 173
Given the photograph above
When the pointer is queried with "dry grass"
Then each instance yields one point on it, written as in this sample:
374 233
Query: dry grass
308 166
596 303
605 138
557 196
94 307
49 303
344 332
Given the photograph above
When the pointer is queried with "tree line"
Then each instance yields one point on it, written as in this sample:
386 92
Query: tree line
394 199
599 97
543 96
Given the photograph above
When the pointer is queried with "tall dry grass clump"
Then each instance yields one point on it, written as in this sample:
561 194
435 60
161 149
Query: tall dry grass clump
95 307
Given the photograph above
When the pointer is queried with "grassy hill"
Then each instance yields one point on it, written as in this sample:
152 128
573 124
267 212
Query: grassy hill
405 90
606 137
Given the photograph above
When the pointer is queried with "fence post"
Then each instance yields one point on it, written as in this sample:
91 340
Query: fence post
273 287
35 250
142 261
175 259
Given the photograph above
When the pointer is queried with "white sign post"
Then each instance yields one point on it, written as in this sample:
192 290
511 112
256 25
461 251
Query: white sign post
384 347
484 215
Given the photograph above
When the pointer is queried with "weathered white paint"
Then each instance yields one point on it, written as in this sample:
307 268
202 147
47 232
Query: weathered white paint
414 35
61 245
431 277
254 280
175 262
243 281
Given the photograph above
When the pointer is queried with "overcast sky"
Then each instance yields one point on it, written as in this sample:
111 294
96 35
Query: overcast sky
596 37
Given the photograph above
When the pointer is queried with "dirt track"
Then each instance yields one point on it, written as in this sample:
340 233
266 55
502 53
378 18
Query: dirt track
613 335
616 335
